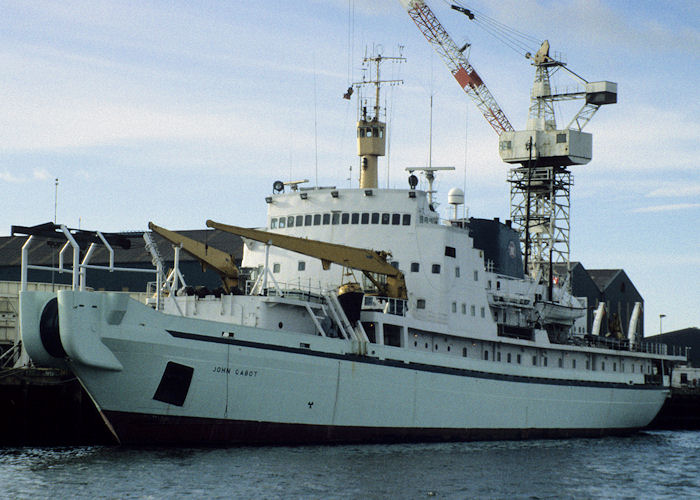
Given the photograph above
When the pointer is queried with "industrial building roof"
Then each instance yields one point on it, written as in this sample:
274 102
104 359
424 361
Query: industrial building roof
689 337
44 251
603 277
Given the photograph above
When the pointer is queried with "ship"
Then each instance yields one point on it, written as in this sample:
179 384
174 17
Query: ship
357 315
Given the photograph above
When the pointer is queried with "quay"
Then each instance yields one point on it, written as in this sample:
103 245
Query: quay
47 407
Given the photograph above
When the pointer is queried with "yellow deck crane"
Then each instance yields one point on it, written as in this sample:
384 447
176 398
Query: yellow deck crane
212 257
369 262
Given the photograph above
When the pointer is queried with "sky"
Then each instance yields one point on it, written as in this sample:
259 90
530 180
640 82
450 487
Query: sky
177 112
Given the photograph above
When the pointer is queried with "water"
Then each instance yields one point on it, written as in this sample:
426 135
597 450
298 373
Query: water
658 464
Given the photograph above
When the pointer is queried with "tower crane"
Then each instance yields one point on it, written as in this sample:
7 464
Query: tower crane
540 183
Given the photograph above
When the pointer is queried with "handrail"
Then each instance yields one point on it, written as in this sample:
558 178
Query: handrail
78 269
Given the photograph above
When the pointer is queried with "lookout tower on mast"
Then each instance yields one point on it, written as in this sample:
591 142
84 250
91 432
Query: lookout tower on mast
371 130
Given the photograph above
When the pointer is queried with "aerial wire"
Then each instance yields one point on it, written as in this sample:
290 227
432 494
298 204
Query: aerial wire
346 129
466 141
315 122
516 40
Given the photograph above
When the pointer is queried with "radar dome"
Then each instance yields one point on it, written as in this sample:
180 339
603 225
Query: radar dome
455 196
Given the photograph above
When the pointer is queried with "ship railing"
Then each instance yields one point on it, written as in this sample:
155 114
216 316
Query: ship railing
294 290
78 269
624 345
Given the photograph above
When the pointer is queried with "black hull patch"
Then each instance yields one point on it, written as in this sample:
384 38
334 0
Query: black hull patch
145 429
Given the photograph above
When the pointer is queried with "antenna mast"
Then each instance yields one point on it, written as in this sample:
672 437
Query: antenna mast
371 131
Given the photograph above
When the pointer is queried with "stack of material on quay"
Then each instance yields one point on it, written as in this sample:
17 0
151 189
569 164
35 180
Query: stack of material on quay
682 409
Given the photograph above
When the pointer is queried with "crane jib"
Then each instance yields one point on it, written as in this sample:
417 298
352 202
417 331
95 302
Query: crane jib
471 79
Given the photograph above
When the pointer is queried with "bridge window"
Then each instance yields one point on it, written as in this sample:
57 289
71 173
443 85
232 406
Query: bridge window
464 308
436 268
355 218
450 252
317 219
276 267
375 217
335 218
464 352
386 218
406 219
457 272
345 218
300 220
307 220
365 218
454 307
282 222
420 304
473 310
273 223
290 221
508 357
301 266
326 219
415 267
395 219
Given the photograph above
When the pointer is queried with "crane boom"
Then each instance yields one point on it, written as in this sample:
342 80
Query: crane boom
208 256
459 66
367 261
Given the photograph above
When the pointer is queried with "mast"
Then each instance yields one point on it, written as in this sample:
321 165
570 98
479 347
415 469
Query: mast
371 131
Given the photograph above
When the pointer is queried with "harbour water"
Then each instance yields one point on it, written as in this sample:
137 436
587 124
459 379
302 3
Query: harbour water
652 464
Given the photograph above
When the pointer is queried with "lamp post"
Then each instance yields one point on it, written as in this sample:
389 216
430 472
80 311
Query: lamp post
661 317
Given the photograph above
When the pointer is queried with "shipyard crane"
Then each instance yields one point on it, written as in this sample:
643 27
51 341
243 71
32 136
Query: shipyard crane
457 62
370 262
540 184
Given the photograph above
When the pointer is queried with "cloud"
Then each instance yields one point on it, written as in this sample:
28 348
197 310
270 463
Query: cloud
6 176
41 174
676 190
666 208
37 174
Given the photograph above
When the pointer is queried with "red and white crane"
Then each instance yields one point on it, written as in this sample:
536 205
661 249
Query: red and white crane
540 184
459 66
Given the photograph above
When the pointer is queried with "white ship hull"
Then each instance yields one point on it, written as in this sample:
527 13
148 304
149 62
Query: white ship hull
251 385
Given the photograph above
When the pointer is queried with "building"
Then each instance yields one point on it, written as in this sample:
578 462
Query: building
611 286
687 337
